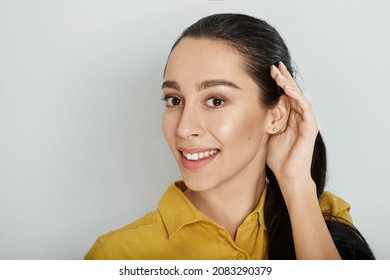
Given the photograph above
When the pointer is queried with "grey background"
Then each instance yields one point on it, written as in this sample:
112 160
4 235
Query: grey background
81 145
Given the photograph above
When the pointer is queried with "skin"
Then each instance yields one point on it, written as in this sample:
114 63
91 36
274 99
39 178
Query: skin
289 156
213 104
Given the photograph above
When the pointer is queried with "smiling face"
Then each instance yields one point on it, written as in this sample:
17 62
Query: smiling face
213 121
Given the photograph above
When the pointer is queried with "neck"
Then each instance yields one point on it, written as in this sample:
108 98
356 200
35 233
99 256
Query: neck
228 204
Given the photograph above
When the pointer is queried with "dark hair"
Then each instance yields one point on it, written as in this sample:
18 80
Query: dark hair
262 46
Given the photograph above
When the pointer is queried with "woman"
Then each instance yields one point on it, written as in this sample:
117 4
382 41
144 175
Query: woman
252 159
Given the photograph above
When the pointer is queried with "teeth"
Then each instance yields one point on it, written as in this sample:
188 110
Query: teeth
201 155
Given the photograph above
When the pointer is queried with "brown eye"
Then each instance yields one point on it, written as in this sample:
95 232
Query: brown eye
172 101
215 102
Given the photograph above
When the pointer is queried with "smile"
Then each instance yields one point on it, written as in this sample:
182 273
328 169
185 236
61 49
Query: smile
201 155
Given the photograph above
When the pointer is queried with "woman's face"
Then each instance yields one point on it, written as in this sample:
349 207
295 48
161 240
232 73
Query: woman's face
213 121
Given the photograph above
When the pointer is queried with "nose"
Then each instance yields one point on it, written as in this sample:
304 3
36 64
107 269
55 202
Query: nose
190 124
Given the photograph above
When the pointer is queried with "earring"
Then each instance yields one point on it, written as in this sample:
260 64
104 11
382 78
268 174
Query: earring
274 129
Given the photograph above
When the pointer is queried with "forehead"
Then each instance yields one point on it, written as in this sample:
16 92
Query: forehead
204 58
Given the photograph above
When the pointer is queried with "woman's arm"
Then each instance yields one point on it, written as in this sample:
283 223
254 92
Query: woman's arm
289 155
312 239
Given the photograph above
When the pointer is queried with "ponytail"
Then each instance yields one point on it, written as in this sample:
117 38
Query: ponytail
348 240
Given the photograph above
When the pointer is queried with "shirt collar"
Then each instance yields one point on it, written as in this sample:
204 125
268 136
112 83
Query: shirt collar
177 211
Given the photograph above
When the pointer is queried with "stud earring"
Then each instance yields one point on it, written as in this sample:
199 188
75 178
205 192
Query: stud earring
274 129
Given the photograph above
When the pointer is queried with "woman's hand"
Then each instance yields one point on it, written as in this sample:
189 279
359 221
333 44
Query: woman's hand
289 155
290 149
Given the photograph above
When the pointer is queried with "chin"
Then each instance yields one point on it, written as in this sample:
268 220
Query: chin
198 185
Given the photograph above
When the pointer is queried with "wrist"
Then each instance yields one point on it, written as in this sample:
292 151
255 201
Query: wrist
298 192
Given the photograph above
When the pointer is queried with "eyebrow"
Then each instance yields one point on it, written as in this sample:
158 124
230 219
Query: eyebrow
170 84
203 85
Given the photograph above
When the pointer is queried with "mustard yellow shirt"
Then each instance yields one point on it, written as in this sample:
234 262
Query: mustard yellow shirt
177 230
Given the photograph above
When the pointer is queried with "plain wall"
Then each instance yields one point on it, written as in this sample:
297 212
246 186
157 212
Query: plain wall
81 146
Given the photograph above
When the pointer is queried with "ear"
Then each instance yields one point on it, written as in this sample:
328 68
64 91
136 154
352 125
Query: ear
277 117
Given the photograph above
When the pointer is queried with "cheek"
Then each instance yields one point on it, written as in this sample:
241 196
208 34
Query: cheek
239 128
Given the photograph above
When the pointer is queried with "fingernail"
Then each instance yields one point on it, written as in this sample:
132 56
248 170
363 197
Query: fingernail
282 64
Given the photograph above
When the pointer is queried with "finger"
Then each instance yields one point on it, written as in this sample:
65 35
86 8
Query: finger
284 79
277 75
283 69
293 120
281 79
301 105
293 88
298 101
